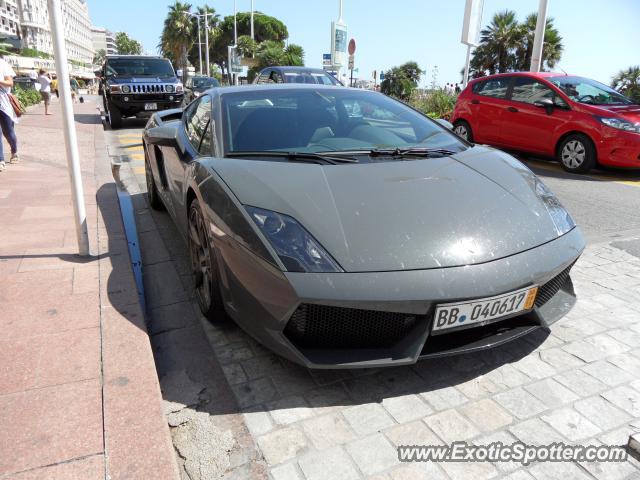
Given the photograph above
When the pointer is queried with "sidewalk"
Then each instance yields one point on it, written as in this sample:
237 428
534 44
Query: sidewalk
79 394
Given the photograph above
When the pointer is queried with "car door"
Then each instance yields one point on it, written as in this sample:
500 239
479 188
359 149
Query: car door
195 121
488 103
528 126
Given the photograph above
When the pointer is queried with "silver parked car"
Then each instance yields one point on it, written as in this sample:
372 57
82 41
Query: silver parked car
341 228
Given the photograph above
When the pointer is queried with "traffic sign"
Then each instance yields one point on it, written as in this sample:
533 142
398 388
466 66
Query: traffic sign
326 59
351 61
352 47
381 75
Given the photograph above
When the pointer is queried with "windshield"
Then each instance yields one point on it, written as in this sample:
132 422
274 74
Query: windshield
585 90
326 120
310 77
205 82
158 67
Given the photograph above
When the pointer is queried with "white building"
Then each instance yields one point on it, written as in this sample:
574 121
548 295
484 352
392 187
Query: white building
9 21
103 39
36 33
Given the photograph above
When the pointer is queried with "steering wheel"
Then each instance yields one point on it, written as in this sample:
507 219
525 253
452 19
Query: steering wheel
582 98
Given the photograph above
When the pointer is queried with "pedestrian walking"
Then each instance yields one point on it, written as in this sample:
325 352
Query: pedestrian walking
74 89
54 86
45 89
457 89
8 116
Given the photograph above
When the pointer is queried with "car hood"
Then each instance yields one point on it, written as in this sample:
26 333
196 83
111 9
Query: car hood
473 207
628 112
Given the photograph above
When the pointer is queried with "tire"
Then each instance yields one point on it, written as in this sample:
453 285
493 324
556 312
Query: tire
152 190
115 117
463 130
204 267
577 154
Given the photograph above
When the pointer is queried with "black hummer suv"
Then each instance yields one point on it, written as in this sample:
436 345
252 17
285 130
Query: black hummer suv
134 85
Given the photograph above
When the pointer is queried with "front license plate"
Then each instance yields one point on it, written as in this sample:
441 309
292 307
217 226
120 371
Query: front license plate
150 106
484 310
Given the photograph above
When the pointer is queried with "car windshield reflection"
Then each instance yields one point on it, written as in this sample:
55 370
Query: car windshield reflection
326 120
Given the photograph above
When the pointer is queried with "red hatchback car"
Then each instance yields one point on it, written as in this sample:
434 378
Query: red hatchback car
579 121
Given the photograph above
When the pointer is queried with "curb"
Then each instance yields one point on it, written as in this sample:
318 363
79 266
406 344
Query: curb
137 441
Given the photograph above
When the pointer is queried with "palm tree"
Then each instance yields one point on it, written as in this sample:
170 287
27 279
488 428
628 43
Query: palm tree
177 35
501 37
552 47
628 82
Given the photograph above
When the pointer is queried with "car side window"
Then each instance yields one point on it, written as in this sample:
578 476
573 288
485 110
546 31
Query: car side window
493 87
528 90
188 114
199 121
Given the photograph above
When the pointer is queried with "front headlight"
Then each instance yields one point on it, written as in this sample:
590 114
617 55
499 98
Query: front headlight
297 249
179 88
621 124
559 216
169 89
126 89
196 94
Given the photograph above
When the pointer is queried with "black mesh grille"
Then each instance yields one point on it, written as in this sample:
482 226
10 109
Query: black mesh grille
320 326
549 289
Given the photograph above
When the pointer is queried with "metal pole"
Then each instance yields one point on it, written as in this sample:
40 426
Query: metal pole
252 20
206 40
199 44
340 17
70 137
235 38
235 25
465 80
538 41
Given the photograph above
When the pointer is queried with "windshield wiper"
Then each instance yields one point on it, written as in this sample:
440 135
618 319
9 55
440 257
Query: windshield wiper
309 157
411 152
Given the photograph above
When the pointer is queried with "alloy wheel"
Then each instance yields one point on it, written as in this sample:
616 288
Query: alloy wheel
201 264
573 154
461 131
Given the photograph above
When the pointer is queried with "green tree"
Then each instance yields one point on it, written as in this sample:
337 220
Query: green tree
551 49
213 20
506 45
127 45
177 35
628 82
501 37
400 82
99 56
265 28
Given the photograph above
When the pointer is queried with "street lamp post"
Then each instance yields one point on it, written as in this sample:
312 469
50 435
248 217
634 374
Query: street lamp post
206 42
538 39
70 135
199 40
252 20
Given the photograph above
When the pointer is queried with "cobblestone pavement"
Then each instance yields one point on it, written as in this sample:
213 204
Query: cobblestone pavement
580 384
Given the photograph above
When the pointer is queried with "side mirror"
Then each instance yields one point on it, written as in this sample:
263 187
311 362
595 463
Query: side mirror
163 136
545 103
445 123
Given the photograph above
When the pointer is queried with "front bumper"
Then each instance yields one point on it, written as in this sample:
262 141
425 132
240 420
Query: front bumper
263 300
619 149
134 104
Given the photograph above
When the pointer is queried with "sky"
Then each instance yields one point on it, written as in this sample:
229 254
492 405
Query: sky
600 37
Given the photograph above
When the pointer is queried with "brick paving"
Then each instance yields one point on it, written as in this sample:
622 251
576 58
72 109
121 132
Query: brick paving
580 385
79 395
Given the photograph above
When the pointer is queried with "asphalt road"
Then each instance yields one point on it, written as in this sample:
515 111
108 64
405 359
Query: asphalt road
605 204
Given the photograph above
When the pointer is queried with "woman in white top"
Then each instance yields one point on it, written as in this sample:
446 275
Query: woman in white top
45 89
7 115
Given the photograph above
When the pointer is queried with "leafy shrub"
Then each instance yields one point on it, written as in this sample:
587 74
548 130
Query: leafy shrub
435 104
27 96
